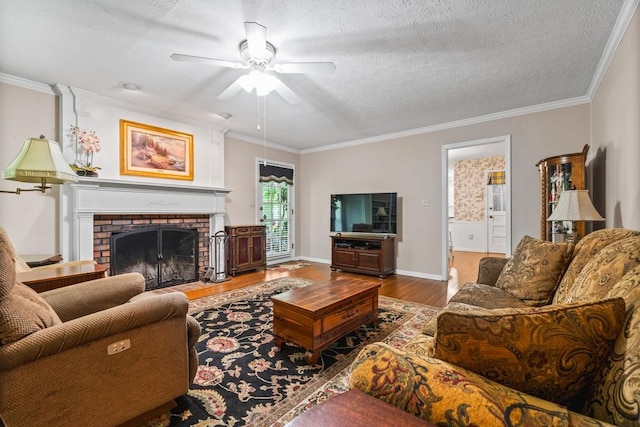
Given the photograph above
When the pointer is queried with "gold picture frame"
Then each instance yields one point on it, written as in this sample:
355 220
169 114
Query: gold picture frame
155 152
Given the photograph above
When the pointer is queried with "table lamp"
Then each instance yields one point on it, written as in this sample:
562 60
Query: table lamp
574 205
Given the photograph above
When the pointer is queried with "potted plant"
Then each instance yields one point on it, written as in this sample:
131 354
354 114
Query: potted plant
89 143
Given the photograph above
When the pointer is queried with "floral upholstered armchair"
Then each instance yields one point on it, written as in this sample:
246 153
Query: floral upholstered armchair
553 339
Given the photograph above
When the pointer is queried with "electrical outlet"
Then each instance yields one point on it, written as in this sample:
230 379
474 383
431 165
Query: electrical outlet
118 347
470 236
426 203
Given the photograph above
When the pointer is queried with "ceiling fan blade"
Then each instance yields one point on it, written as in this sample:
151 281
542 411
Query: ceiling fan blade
304 67
231 91
209 61
286 93
256 39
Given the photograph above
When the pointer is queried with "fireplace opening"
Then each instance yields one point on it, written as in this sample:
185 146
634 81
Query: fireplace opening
165 256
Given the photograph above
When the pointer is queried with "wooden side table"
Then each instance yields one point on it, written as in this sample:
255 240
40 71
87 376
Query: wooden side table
45 279
356 409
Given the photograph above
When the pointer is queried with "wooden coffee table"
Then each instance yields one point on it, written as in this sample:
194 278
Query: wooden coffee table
315 316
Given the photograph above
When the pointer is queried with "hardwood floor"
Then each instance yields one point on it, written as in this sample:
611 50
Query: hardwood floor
430 292
464 269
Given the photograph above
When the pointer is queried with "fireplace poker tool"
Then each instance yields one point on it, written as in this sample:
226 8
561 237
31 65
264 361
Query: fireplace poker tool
217 270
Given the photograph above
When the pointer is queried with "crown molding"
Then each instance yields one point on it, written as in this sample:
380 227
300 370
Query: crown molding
261 142
456 124
27 84
619 29
140 109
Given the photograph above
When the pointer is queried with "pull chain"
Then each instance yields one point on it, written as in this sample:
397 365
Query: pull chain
264 127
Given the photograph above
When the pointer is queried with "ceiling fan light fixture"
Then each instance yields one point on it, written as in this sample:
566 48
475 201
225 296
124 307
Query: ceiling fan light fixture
261 82
258 55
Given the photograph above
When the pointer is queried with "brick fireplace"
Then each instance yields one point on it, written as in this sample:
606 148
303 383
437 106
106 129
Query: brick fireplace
94 208
105 226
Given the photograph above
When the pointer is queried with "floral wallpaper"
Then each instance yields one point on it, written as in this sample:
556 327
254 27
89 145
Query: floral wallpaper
469 181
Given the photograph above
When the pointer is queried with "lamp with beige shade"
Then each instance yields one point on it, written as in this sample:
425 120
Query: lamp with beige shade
574 205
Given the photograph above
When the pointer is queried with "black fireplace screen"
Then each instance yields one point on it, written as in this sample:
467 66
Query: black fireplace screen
165 256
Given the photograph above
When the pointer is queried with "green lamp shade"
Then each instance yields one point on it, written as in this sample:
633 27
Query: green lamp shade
40 159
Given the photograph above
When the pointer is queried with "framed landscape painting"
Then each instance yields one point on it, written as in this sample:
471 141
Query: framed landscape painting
155 152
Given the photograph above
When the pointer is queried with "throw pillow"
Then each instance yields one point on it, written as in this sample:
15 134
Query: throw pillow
444 394
22 310
550 352
534 271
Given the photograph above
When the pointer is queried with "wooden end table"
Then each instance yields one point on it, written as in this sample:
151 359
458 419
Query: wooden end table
315 316
45 279
356 409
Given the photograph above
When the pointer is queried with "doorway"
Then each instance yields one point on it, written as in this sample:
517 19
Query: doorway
474 240
275 208
496 212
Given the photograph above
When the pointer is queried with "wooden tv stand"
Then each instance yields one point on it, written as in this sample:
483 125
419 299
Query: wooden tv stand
364 254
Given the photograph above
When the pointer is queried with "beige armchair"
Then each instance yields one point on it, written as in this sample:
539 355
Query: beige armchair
96 353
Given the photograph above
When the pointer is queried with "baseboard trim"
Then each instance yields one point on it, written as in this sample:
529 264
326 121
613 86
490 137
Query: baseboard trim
417 274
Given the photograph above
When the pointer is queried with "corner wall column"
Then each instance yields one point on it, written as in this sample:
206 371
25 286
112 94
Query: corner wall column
83 238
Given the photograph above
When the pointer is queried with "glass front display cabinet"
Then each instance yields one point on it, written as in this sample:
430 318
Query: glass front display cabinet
559 173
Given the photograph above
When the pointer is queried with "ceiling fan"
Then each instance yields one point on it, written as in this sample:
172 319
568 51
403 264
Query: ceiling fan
258 55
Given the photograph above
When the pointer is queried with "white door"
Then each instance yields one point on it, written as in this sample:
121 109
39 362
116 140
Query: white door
496 218
274 213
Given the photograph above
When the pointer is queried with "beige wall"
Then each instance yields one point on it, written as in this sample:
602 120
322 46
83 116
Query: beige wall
616 134
241 176
31 219
412 166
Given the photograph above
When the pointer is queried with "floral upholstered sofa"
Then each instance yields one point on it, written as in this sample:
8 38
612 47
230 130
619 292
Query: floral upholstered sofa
550 336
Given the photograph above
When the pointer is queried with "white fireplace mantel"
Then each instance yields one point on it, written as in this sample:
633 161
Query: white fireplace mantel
91 196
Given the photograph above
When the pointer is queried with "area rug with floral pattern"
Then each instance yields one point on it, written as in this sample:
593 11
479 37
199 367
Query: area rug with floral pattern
243 380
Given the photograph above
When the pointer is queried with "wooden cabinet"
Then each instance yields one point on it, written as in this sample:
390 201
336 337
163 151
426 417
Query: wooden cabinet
246 249
559 173
369 255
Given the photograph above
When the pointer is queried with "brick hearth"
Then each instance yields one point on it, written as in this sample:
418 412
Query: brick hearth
105 225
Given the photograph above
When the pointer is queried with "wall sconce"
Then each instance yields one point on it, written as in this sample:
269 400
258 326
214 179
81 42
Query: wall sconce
40 160
574 205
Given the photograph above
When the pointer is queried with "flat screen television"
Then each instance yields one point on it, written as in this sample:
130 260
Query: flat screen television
364 213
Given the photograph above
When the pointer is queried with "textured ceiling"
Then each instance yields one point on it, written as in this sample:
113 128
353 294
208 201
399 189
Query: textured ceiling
401 64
